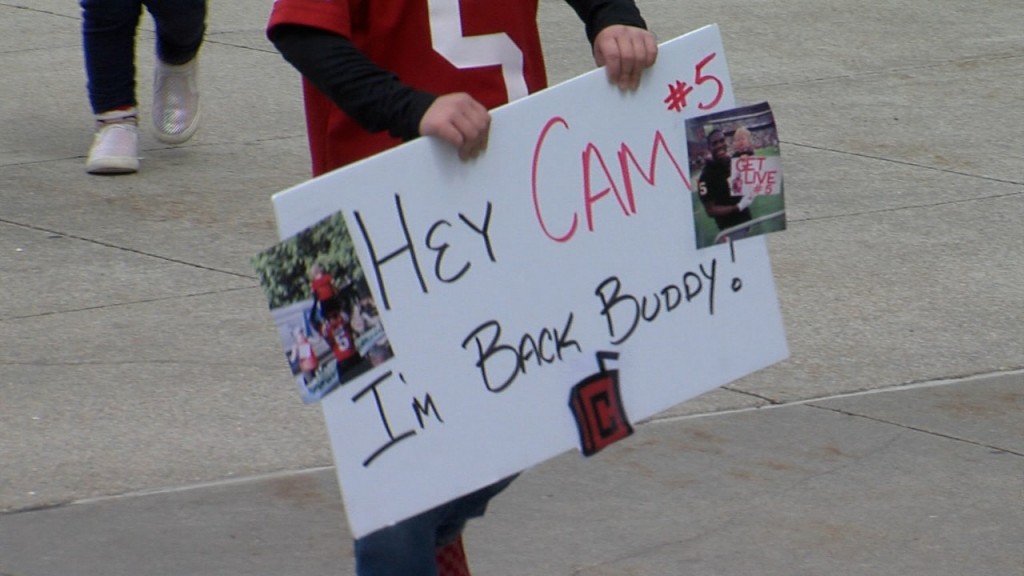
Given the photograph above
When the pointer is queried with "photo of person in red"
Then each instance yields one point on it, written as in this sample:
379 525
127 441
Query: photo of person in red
324 290
336 330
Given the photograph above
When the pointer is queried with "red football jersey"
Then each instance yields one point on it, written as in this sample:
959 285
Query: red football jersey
488 49
339 338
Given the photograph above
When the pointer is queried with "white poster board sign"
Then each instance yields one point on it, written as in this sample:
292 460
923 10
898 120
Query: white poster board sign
499 280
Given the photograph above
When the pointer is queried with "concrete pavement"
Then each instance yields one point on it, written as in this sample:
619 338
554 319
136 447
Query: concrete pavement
144 422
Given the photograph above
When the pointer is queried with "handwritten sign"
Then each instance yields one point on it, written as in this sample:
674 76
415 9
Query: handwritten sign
538 299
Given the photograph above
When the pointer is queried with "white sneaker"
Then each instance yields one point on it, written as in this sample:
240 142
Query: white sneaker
176 101
115 148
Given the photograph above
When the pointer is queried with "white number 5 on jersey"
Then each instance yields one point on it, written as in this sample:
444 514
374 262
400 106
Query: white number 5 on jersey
475 51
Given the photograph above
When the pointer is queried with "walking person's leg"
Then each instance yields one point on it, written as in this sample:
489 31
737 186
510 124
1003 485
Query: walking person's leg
403 549
428 544
108 42
180 27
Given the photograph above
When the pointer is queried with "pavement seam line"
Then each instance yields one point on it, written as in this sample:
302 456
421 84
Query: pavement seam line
171 490
898 209
37 11
993 57
124 249
962 379
131 303
191 145
314 470
917 429
914 165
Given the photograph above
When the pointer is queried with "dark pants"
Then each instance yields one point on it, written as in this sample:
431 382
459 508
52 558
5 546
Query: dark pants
407 548
108 39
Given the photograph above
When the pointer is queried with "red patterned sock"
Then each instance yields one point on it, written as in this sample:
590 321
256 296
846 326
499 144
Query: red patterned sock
451 559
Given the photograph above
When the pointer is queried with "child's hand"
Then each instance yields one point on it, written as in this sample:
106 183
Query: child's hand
745 202
459 120
626 51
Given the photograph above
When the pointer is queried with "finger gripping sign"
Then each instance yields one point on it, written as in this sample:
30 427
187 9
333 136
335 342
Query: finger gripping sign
459 306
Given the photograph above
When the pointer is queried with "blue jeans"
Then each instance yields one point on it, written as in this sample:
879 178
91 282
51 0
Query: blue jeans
407 548
108 39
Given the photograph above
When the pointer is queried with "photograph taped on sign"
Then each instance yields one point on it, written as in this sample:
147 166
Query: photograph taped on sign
736 171
326 317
